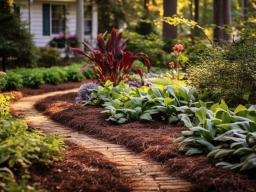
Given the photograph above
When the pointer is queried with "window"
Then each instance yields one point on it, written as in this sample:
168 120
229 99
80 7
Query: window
87 20
58 18
54 19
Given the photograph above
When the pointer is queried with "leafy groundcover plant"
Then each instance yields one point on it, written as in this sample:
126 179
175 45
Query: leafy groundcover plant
112 62
20 148
227 135
214 129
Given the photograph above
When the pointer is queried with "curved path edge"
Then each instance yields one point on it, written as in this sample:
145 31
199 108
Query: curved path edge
146 175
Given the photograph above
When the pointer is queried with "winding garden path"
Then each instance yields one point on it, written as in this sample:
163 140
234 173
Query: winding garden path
146 175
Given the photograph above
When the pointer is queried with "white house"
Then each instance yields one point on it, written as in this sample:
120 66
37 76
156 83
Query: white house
47 18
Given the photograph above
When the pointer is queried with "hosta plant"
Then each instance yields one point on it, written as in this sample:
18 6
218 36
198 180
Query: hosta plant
111 62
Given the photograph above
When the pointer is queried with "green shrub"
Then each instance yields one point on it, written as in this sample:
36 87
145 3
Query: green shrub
72 74
150 45
89 74
227 72
32 77
13 81
54 75
48 57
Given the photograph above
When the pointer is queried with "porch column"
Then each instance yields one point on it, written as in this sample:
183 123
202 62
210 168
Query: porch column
80 23
94 24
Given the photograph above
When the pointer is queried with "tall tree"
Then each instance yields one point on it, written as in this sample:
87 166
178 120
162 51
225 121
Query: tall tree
222 16
170 8
244 6
15 39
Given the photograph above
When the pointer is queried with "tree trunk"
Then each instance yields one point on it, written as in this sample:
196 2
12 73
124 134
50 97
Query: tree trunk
244 7
196 31
222 16
4 63
170 8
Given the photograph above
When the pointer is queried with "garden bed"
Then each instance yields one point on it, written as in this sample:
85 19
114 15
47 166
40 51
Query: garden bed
80 170
153 139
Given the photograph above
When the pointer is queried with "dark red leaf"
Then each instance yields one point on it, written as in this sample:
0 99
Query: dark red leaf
123 44
139 71
100 44
111 40
126 60
85 67
88 46
80 52
147 63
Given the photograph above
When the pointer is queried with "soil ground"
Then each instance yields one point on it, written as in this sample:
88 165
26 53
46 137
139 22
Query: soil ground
81 170
152 139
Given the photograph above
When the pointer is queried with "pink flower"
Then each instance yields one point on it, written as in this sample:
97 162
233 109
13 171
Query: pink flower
177 49
171 64
179 67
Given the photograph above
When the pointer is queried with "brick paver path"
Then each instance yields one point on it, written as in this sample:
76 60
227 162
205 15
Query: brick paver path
146 175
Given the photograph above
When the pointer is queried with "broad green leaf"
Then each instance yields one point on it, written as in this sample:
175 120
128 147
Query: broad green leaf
172 93
186 121
152 111
251 117
202 104
252 110
240 108
146 116
168 101
223 152
226 165
122 120
201 114
225 117
216 121
127 104
156 92
173 119
193 151
119 115
203 132
115 95
210 127
209 146
243 151
251 163
179 139
223 127
213 153
214 107
187 133
223 105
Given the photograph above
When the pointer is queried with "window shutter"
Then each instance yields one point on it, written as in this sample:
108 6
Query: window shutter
16 9
46 19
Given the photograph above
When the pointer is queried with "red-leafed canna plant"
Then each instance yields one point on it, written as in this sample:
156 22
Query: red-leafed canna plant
112 62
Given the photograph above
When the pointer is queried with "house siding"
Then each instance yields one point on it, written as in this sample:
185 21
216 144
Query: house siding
37 21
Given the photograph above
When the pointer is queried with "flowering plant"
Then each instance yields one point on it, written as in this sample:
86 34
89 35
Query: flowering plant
111 62
177 49
62 39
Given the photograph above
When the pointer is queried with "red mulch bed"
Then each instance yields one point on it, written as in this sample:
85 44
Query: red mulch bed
152 139
80 170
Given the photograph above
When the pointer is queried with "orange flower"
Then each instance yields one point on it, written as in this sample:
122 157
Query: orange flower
177 49
171 64
174 77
